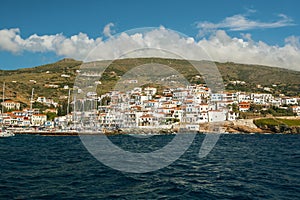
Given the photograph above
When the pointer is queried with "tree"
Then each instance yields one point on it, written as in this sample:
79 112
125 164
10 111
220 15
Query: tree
62 108
42 107
105 100
51 116
255 107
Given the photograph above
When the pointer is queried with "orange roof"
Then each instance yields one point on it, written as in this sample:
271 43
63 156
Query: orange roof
147 116
10 101
244 103
152 101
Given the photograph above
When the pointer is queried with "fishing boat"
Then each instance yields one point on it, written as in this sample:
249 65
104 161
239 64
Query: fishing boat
5 133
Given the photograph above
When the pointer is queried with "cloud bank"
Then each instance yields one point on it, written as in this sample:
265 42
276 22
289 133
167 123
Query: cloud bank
242 23
219 46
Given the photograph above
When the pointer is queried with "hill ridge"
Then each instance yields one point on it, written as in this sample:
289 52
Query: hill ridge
20 82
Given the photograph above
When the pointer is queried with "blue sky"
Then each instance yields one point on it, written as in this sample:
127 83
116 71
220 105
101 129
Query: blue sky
275 23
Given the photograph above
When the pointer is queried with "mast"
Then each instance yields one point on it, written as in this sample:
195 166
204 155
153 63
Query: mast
31 100
3 98
74 110
68 107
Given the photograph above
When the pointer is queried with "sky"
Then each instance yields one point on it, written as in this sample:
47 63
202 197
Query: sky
35 32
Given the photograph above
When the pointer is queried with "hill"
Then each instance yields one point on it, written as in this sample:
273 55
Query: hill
49 80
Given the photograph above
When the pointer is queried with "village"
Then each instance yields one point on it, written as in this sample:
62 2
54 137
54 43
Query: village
145 107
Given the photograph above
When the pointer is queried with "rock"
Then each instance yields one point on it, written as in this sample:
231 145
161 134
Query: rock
276 129
295 129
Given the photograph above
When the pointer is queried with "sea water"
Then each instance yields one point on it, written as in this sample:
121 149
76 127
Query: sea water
239 167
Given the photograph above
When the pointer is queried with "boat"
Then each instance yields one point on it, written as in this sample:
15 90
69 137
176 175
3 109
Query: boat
6 133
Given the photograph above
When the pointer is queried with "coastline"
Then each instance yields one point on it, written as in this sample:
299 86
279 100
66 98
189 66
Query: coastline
240 126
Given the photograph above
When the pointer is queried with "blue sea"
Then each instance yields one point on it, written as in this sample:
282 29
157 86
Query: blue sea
239 167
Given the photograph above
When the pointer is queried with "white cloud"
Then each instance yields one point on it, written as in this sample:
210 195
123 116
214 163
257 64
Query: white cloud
241 23
223 48
107 30
293 41
9 39
77 46
219 47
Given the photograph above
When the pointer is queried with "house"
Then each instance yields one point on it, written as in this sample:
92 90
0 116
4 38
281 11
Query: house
229 96
289 101
178 114
216 97
51 110
41 99
237 82
203 107
51 86
25 122
150 91
180 94
11 105
231 116
20 113
223 104
244 106
202 117
147 120
38 119
65 76
190 118
243 97
261 98
216 116
296 109
276 102
225 96
6 121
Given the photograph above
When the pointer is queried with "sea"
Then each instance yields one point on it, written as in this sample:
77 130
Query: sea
240 166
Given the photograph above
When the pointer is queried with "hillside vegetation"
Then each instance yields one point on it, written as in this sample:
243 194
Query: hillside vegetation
19 83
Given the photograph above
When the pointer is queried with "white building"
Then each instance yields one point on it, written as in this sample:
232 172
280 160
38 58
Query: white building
202 117
289 101
261 98
296 109
243 97
204 107
150 91
217 115
147 120
231 116
11 105
38 119
276 102
41 99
